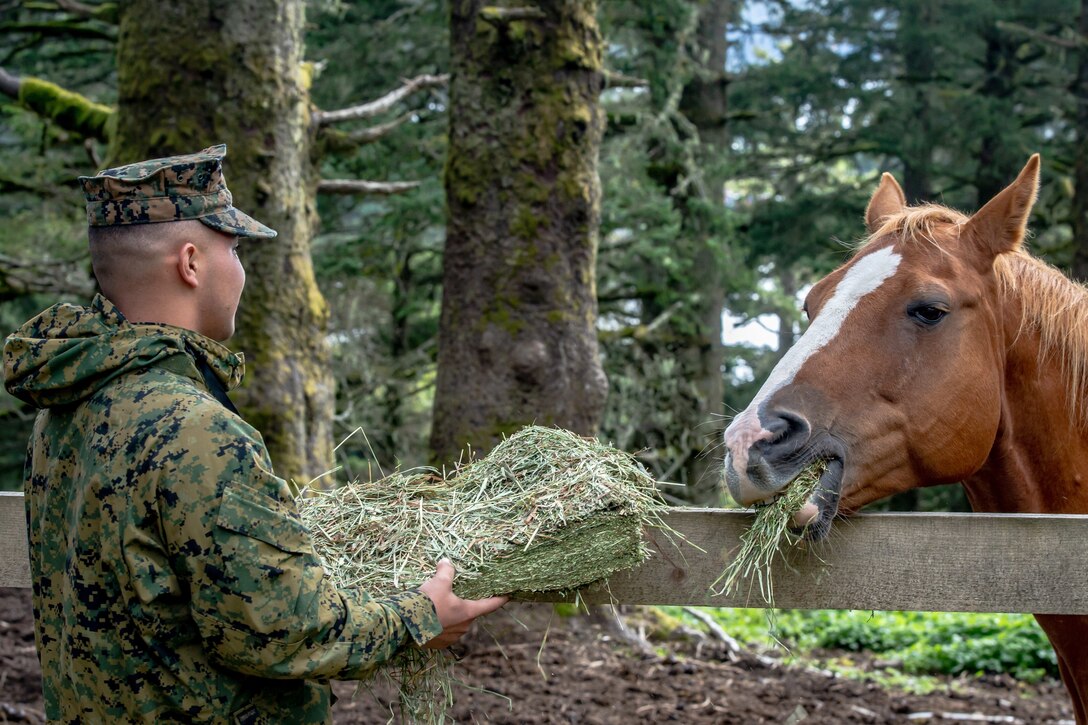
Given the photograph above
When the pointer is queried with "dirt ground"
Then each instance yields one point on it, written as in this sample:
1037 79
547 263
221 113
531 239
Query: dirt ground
586 672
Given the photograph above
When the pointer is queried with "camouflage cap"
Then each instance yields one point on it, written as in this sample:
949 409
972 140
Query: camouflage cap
167 190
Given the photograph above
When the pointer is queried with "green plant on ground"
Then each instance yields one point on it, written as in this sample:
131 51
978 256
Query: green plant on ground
919 643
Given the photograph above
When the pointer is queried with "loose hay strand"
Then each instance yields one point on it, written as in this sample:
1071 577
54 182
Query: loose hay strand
546 510
768 536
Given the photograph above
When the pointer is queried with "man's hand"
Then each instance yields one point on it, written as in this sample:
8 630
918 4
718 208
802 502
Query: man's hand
454 614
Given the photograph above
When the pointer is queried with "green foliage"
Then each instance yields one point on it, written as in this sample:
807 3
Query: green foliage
920 643
935 643
41 211
1024 653
378 259
641 267
821 97
668 248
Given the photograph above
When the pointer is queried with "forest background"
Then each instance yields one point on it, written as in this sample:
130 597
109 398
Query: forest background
626 191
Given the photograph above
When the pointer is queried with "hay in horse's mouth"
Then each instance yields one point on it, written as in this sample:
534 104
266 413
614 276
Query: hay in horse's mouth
771 532
798 492
825 499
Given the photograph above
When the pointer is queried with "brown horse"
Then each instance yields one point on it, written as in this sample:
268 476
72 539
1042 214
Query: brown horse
940 352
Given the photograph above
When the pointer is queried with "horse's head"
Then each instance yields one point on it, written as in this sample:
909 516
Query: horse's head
897 381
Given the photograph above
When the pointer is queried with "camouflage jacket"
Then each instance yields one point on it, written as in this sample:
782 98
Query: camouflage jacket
173 580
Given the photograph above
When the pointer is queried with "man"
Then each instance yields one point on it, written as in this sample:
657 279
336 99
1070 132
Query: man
173 579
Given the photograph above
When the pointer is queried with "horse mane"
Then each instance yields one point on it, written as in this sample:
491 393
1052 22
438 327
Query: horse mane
917 222
1057 307
1052 303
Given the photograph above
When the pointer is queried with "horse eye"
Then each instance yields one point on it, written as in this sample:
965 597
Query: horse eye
928 314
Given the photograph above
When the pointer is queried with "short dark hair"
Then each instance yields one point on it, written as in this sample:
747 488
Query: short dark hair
100 236
110 248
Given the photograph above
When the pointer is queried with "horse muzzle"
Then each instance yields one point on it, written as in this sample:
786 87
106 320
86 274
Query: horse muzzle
757 480
762 460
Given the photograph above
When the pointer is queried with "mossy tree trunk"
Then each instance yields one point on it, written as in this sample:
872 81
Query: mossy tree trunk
915 40
998 160
705 103
197 73
1079 210
518 341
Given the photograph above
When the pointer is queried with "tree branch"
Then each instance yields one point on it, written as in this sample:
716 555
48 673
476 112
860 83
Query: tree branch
68 110
19 277
10 185
61 29
735 647
1077 41
358 186
615 79
92 153
381 105
373 133
9 84
334 141
106 12
642 332
503 16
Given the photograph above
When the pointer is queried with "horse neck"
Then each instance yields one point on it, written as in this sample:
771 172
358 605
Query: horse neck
1039 460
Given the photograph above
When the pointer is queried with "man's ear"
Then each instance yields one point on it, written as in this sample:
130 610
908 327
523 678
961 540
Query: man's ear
887 200
187 264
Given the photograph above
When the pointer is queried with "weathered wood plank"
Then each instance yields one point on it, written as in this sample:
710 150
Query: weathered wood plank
925 562
14 564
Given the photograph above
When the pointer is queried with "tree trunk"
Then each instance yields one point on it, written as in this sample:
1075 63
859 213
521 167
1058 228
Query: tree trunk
517 338
997 163
1079 209
704 102
917 150
202 72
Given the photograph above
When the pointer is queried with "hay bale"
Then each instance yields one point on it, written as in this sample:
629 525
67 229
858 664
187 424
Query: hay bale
546 510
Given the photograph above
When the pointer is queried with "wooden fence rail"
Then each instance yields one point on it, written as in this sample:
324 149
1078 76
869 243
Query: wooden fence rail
924 562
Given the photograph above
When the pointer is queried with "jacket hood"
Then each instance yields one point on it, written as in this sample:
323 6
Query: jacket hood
69 352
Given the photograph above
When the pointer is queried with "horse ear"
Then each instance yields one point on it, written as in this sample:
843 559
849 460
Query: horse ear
888 199
999 226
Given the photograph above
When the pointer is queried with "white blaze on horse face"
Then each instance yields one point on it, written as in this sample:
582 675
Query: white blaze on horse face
866 275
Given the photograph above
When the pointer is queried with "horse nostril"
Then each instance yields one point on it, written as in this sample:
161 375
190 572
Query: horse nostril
789 431
798 426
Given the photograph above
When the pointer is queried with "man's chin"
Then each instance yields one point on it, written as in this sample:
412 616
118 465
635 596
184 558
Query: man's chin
219 335
225 332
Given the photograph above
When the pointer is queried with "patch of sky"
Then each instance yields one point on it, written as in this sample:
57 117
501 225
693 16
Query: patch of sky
849 108
749 44
761 331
